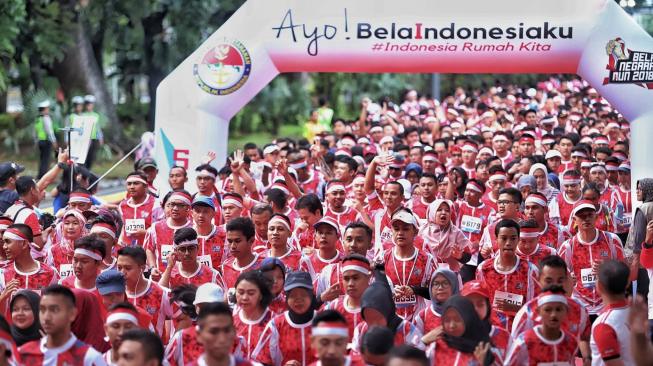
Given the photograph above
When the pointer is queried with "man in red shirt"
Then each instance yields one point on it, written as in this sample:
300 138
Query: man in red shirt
205 182
509 202
335 204
211 238
240 238
310 210
511 281
24 272
327 233
536 208
87 263
428 188
570 194
22 211
59 346
529 248
111 287
140 347
159 237
260 214
329 339
121 318
136 210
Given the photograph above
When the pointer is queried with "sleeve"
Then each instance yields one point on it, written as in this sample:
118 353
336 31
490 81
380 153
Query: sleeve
93 358
517 353
412 335
520 322
218 280
606 341
267 350
638 231
172 350
150 239
646 258
33 222
419 322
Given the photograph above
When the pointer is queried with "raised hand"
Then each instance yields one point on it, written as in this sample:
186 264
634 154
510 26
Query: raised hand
209 157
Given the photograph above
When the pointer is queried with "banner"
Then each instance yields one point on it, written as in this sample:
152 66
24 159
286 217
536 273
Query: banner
595 39
80 139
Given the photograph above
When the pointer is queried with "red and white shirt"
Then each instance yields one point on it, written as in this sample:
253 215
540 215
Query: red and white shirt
291 259
532 349
231 270
135 217
23 213
314 263
156 301
414 271
406 333
159 240
203 274
427 319
74 353
440 353
344 218
40 278
611 335
581 257
283 341
212 248
565 207
250 330
577 321
353 315
418 206
473 220
517 285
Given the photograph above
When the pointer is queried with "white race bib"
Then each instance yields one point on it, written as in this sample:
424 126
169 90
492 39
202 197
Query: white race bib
166 249
627 219
471 224
405 301
507 297
386 234
65 270
206 260
588 277
134 225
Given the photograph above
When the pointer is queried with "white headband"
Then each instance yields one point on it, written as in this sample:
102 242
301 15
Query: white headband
335 187
279 220
79 199
177 197
121 316
500 176
3 227
88 253
499 138
186 243
231 201
136 179
299 165
102 229
356 268
537 200
327 331
570 181
597 167
11 236
270 149
527 235
474 187
545 299
205 173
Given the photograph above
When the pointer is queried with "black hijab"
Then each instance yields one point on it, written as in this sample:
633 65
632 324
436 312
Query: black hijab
378 296
476 331
22 336
306 317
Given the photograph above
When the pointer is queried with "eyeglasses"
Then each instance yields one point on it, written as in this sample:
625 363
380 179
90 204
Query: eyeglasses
505 202
443 284
186 249
179 206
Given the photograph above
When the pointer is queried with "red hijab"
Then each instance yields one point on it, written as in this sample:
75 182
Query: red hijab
89 326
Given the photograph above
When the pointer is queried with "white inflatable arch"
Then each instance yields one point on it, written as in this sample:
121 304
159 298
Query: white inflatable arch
595 39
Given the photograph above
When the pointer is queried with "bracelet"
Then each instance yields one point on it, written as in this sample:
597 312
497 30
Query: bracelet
61 165
647 245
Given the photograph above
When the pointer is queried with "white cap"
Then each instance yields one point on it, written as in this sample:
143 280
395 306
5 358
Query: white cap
89 98
208 292
407 187
553 154
44 104
404 216
78 99
386 139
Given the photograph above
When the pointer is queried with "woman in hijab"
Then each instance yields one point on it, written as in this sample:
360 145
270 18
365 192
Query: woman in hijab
26 325
541 175
444 284
89 326
378 309
444 240
275 271
465 340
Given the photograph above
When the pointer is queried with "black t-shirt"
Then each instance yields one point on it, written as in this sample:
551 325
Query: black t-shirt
7 198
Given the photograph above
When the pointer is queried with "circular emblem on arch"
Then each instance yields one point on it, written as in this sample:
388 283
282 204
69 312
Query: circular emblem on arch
223 69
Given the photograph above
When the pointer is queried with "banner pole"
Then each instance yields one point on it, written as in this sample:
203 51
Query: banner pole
115 165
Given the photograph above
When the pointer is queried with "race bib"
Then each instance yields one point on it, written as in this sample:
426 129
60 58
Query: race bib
627 220
206 260
386 234
231 296
507 297
405 301
588 277
166 249
65 270
471 224
134 225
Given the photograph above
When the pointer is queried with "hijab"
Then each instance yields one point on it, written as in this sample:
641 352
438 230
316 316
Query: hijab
441 240
476 331
378 296
549 191
306 317
31 333
453 281
89 326
646 185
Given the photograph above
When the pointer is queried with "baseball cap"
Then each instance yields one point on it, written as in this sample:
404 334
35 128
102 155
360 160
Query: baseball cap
89 98
298 279
78 99
553 154
475 287
404 216
205 201
208 292
109 282
326 220
44 104
7 170
147 162
582 205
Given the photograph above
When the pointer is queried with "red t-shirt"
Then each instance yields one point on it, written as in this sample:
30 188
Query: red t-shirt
212 248
250 330
531 349
156 301
413 271
159 239
135 216
283 341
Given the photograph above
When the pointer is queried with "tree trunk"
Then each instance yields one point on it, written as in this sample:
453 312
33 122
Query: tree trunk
79 70
152 30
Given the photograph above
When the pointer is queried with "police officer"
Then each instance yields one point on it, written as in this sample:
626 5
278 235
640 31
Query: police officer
96 132
44 131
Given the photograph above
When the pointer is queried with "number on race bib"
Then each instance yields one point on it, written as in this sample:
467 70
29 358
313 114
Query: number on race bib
166 249
507 297
134 225
65 270
206 260
588 277
471 224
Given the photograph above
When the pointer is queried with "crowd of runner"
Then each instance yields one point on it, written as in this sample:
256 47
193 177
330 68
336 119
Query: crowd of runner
489 228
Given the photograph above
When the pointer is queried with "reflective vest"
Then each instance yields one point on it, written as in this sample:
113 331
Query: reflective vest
39 127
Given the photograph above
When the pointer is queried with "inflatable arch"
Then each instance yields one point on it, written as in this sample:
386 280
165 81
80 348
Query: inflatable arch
595 39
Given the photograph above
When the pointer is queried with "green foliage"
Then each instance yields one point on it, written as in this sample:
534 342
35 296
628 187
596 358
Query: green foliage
13 16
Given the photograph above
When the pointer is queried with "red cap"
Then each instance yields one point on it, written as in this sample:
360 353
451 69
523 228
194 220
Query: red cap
475 287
